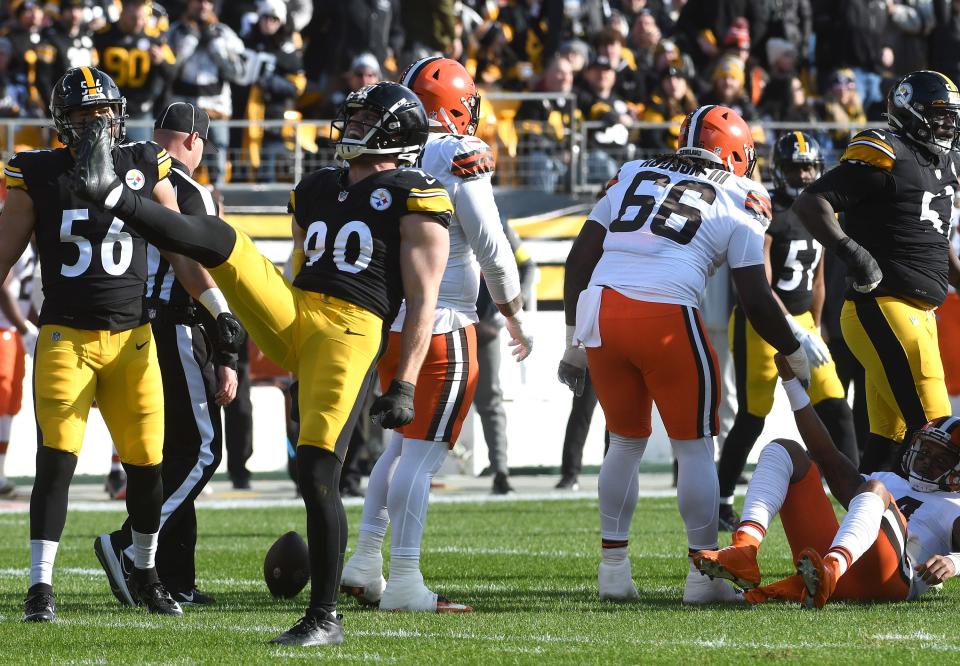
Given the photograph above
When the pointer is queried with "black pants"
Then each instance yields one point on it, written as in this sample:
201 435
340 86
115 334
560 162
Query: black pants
849 370
238 423
192 448
578 425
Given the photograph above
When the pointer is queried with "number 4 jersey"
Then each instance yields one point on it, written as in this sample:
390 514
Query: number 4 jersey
669 227
93 268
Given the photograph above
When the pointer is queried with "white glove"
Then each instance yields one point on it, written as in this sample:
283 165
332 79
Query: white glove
812 344
573 366
521 342
30 337
799 364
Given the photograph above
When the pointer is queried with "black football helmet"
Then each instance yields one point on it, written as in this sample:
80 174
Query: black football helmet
395 125
795 149
925 107
83 87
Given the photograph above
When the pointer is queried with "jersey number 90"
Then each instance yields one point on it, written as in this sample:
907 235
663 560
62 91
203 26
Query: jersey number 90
352 246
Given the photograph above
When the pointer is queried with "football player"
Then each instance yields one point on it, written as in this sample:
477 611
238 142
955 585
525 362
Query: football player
367 237
94 341
896 188
399 485
198 364
18 336
869 556
794 261
631 297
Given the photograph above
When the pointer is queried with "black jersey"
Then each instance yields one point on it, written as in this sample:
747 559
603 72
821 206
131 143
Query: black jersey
353 232
126 58
794 257
163 287
93 267
897 198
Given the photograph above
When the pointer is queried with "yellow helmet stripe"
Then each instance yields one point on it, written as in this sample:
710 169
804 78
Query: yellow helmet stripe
801 142
88 77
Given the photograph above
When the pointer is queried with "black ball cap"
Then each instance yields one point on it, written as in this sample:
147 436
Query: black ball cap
187 118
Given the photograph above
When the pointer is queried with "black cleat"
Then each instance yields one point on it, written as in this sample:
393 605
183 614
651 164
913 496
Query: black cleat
93 177
729 519
193 598
154 597
501 484
40 605
314 628
568 482
117 568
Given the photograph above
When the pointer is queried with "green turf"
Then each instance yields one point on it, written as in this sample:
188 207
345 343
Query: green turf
529 568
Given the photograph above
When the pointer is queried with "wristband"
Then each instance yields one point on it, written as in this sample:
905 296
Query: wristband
570 332
796 394
213 300
955 558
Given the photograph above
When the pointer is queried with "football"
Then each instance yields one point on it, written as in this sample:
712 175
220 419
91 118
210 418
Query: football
286 568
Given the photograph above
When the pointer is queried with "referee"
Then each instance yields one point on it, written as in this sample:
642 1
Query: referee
197 349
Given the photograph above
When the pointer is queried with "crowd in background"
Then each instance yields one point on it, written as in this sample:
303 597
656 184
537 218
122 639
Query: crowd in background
612 62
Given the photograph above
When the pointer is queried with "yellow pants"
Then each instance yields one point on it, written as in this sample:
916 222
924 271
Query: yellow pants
896 343
118 369
757 374
305 333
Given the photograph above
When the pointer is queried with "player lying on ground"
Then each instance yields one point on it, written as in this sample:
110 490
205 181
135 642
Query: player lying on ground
872 555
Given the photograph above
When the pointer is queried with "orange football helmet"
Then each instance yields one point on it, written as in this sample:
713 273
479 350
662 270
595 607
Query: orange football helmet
718 134
447 91
932 461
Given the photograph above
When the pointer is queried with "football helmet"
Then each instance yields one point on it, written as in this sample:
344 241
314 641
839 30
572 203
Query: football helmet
932 461
83 87
718 134
447 91
795 149
385 118
925 108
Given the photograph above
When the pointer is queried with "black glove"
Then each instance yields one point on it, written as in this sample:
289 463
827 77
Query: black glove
395 407
230 333
866 272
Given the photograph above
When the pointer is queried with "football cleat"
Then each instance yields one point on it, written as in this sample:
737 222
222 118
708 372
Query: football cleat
193 598
738 564
363 579
791 588
501 484
154 597
700 589
728 519
819 577
117 567
615 581
6 486
93 177
568 482
40 605
411 595
314 628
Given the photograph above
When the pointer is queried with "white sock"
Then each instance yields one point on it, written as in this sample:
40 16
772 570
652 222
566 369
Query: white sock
375 517
144 549
859 529
369 545
955 404
698 490
42 555
768 488
618 486
405 570
409 494
5 423
614 555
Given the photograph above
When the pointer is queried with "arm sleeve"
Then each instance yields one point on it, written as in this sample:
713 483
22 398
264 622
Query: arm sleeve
849 184
746 245
478 215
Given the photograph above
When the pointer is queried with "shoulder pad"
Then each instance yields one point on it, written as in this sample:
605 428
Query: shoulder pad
871 147
469 157
144 153
425 194
17 171
756 200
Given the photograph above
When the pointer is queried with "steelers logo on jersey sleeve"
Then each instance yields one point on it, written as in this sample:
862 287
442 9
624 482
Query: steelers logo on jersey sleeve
381 199
135 179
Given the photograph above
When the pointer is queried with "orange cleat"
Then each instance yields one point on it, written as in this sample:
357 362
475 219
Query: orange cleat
790 588
819 577
737 564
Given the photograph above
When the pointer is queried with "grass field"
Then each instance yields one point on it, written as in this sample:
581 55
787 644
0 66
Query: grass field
529 568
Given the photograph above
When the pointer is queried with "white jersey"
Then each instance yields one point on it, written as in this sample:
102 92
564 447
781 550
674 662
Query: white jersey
930 518
668 229
464 166
21 284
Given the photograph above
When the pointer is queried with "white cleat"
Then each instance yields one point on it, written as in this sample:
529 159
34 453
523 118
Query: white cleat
701 589
6 486
616 581
416 597
363 579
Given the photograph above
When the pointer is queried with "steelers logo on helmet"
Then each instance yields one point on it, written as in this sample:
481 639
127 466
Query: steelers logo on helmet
924 107
903 94
381 119
135 179
381 199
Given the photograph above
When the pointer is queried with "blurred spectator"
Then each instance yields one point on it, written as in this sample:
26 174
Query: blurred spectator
209 57
273 80
659 9
497 63
782 58
13 92
736 44
629 85
66 43
599 102
644 37
728 88
790 20
341 30
671 102
363 71
140 65
24 36
911 22
702 24
429 29
842 104
543 147
577 52
668 55
945 41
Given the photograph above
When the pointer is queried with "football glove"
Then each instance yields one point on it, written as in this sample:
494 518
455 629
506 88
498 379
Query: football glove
799 364
521 342
813 345
573 366
866 272
395 407
230 333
